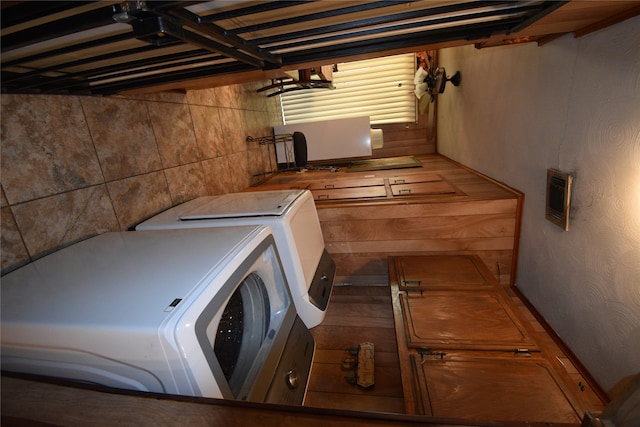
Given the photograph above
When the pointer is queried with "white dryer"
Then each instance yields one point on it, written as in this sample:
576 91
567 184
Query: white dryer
292 215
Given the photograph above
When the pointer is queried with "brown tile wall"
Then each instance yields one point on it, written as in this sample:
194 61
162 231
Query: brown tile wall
73 167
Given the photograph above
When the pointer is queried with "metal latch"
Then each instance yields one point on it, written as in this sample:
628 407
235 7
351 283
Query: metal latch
425 351
411 286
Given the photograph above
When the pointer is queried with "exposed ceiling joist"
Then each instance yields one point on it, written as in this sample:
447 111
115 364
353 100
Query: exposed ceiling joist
101 48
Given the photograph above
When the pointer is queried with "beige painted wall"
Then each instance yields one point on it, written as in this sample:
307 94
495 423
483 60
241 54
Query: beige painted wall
573 105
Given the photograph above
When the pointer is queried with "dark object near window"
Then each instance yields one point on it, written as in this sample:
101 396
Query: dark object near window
300 149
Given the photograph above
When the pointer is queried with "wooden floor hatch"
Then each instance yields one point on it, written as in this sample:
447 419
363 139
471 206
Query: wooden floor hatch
523 388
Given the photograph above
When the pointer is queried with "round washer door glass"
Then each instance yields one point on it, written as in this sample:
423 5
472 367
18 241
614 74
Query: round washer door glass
242 330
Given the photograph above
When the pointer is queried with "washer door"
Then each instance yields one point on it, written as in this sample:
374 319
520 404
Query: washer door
242 330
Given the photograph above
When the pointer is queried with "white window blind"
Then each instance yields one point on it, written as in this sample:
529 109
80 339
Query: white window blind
380 88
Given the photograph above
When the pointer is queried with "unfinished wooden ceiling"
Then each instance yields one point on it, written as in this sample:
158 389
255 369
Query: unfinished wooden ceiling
101 48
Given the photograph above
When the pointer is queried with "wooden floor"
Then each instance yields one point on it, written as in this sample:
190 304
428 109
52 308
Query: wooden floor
356 314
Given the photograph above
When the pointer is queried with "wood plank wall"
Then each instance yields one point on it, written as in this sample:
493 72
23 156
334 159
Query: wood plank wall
483 219
360 240
34 403
408 139
356 314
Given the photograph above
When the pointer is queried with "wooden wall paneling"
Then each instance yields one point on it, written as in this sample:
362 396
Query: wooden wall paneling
349 401
443 272
351 193
464 319
451 227
401 148
407 139
478 207
35 403
500 262
370 233
411 389
369 267
361 268
356 314
481 217
472 369
333 337
521 388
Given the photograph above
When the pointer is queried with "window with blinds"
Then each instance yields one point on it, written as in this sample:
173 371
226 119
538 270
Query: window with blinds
380 88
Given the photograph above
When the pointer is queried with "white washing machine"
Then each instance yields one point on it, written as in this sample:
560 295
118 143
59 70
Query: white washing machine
191 312
294 220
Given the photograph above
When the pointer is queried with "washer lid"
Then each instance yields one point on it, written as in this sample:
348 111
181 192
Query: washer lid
234 205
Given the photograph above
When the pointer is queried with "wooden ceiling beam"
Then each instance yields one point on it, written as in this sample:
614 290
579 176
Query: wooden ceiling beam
611 20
